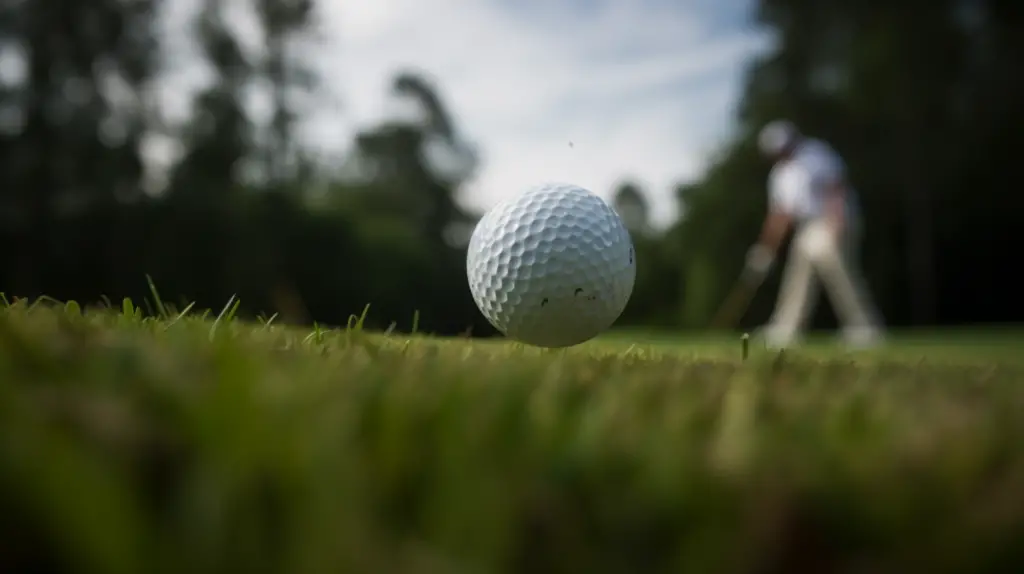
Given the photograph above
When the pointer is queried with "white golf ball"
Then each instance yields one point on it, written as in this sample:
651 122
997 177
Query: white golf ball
553 267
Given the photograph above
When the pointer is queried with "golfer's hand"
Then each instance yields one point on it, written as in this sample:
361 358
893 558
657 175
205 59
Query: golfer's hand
819 242
759 261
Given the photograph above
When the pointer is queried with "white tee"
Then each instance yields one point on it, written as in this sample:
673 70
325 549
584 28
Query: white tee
797 185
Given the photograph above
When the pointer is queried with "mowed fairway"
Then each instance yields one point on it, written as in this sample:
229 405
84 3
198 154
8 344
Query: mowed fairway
192 444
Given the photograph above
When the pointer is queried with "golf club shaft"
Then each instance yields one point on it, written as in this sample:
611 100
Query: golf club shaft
736 304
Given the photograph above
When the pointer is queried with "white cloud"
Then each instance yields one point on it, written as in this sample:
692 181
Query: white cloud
587 91
553 91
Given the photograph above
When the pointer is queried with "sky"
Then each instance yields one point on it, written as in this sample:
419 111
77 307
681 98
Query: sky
590 92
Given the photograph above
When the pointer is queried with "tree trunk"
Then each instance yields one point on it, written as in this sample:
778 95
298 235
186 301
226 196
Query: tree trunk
920 252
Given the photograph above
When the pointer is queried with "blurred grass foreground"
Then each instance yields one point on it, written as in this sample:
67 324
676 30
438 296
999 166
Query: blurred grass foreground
192 444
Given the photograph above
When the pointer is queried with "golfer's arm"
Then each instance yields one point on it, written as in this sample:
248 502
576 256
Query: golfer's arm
774 229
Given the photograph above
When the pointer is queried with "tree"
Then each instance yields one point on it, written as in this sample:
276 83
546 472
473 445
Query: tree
415 168
73 121
287 25
219 137
630 203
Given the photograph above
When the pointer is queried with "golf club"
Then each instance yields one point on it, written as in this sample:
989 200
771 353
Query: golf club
735 305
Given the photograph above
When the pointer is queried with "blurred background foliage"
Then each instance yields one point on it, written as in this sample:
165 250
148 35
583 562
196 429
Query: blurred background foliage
922 99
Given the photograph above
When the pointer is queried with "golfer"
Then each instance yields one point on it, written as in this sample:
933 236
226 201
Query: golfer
808 191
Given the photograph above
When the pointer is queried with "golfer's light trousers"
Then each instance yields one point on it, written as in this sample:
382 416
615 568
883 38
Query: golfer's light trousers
814 254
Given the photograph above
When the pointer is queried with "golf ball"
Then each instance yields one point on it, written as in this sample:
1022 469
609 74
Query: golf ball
552 267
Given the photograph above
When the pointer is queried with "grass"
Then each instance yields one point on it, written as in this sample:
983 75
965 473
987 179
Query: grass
957 346
196 442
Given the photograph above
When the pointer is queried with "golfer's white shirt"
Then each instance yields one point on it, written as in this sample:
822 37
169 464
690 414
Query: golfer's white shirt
797 185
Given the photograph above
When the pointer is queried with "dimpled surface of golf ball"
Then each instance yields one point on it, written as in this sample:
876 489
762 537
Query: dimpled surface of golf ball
553 267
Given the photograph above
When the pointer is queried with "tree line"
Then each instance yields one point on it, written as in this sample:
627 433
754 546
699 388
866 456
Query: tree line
921 98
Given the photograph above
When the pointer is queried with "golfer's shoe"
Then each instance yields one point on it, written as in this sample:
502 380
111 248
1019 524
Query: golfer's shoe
863 337
776 338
